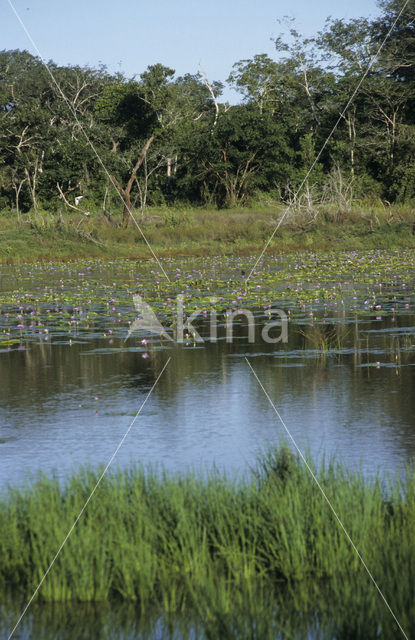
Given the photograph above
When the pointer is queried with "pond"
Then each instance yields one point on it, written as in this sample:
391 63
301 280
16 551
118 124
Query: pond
71 382
76 367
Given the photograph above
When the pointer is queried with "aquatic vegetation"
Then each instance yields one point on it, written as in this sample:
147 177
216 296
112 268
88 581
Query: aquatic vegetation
220 549
72 301
323 336
210 544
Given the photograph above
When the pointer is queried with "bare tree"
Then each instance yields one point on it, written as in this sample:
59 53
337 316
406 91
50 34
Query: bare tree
17 186
126 191
212 93
32 178
143 184
68 204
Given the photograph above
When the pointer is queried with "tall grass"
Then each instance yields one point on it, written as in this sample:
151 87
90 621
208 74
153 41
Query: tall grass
57 235
214 545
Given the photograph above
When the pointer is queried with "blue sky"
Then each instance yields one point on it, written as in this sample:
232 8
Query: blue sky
128 35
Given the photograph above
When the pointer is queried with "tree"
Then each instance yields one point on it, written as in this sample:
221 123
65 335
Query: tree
244 152
395 97
260 81
126 191
378 114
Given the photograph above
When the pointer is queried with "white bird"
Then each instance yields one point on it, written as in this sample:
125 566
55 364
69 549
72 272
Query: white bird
77 199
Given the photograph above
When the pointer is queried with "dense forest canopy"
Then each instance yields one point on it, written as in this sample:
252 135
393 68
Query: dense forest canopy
204 151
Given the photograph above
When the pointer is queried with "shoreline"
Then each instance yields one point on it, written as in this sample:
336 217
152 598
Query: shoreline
196 232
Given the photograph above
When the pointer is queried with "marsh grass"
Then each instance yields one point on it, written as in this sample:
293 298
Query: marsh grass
324 337
151 538
183 231
249 558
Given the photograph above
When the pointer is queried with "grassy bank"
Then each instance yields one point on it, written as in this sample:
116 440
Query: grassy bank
47 235
191 542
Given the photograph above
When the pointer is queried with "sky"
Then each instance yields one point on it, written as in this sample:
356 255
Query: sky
129 35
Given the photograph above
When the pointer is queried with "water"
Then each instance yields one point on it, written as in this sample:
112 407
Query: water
68 399
71 386
65 406
123 621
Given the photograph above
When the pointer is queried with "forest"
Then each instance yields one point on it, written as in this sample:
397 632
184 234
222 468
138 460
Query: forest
72 134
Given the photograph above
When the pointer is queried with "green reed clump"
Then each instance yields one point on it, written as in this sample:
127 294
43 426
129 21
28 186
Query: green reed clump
182 540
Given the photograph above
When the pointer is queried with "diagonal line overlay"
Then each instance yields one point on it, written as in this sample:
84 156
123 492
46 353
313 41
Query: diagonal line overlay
349 102
87 501
372 61
72 110
355 549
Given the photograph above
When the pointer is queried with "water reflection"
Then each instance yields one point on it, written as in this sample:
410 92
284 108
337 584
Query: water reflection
339 609
344 387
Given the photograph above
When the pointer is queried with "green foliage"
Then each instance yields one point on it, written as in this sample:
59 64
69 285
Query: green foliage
404 183
213 546
259 80
241 154
121 105
205 152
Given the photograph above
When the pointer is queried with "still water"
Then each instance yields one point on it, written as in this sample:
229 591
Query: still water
71 387
67 403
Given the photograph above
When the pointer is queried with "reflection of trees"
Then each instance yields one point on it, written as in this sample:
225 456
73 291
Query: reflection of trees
38 375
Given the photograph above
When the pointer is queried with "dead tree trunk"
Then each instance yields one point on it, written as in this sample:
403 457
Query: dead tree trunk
17 186
212 93
126 192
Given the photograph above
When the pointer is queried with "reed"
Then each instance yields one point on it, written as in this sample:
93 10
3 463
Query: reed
211 544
